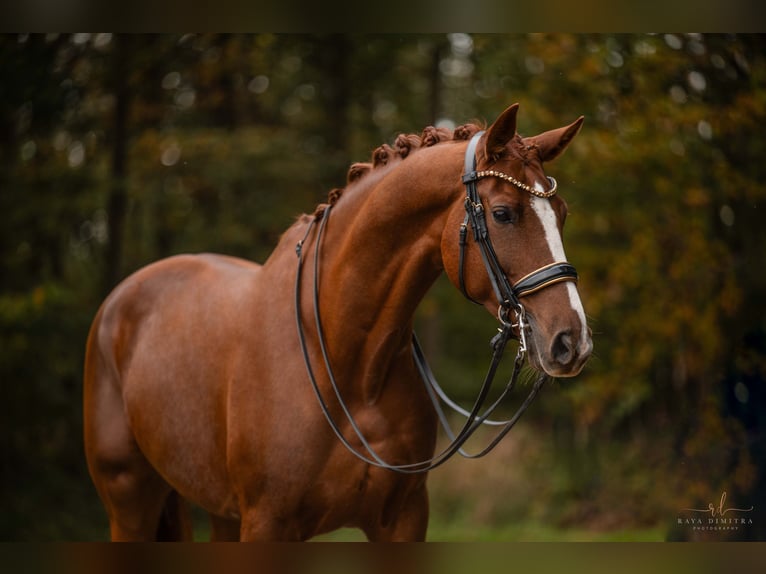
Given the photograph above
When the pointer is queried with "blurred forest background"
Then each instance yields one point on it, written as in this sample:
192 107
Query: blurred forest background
119 150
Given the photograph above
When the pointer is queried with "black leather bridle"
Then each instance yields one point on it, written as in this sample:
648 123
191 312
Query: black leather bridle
508 297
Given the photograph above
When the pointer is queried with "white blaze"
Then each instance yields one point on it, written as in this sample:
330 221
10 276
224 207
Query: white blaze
542 207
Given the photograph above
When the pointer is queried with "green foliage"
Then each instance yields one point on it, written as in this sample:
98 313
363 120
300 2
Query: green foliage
228 137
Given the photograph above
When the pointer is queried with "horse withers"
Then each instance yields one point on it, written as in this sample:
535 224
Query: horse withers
196 388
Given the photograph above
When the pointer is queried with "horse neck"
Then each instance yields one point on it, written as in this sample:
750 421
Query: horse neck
382 252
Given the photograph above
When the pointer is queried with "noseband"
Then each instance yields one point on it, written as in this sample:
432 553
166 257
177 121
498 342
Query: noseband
508 297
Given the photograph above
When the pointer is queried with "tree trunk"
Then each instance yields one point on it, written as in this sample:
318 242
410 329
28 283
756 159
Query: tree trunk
117 203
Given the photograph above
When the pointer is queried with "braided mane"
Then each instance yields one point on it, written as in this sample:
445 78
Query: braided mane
404 145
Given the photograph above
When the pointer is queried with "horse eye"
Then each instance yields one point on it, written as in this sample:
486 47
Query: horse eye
502 215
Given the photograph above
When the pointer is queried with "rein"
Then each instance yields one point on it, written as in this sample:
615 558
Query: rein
508 297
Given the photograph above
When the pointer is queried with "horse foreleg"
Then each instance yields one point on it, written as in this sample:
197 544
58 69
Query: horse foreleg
409 524
262 525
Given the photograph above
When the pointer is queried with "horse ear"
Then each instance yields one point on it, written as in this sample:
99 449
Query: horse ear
553 143
501 132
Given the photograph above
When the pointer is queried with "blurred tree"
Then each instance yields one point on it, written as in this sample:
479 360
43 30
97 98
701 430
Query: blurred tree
117 203
44 300
669 284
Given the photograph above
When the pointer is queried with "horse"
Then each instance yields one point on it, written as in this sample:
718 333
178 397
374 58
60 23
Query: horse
194 388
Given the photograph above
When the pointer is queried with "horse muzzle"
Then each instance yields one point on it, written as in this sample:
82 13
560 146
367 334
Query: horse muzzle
563 355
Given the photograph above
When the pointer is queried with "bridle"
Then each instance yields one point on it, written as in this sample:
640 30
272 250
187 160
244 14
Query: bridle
508 297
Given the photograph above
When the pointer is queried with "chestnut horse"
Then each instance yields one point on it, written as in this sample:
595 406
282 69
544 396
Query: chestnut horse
195 387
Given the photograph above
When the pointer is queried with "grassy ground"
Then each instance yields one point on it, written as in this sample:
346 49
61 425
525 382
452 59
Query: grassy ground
526 532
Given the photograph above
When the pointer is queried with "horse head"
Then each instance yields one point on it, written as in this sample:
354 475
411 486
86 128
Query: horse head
522 218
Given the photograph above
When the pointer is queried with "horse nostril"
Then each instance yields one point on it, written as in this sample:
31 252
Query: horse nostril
563 350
